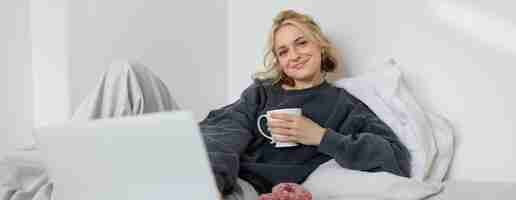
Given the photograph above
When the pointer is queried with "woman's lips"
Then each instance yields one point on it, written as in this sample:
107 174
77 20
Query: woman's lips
299 66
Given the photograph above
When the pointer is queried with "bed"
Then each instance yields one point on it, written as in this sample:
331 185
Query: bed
460 189
428 136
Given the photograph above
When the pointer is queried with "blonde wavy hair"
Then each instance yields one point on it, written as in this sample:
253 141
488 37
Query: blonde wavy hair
329 61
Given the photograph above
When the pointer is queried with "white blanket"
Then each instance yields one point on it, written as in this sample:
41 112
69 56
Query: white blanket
131 89
126 88
332 182
25 177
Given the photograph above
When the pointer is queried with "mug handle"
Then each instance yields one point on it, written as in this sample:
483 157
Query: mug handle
260 128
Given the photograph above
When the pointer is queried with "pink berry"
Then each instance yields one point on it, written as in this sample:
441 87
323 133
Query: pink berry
267 196
290 191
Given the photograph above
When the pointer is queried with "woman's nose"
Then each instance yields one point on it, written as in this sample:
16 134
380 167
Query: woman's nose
294 55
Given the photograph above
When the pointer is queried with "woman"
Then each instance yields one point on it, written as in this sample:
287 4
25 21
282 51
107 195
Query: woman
334 124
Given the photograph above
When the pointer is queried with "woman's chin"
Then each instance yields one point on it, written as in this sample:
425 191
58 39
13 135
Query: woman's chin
296 73
300 78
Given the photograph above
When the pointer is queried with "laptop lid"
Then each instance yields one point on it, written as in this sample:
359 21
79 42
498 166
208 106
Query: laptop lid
153 156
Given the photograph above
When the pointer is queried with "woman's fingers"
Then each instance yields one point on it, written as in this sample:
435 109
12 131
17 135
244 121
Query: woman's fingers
282 131
283 116
274 123
282 138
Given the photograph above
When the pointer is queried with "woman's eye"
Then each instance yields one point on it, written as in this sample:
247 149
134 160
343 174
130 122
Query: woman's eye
303 42
282 53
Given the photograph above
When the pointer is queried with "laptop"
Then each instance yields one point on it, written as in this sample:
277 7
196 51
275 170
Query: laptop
153 156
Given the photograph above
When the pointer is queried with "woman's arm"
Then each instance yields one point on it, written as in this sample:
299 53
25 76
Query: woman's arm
227 132
364 142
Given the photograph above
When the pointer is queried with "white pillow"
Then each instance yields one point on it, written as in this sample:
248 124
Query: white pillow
443 132
384 91
428 136
330 181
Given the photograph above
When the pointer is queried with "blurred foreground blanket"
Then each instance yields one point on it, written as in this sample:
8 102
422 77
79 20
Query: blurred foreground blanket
126 88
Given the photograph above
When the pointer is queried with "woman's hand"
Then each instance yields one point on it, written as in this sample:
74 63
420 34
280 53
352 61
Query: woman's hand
293 128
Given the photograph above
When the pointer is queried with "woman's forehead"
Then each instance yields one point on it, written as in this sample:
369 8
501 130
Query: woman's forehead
287 33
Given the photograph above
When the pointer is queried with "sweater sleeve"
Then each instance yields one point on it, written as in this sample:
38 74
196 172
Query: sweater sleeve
364 142
227 132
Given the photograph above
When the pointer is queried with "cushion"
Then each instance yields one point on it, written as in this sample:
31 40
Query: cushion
443 132
353 184
385 93
428 136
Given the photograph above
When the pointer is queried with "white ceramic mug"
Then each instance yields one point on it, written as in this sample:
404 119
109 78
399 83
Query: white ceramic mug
292 111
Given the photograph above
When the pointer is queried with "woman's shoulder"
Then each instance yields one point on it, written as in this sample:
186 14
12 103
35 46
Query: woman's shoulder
258 87
260 84
345 95
263 82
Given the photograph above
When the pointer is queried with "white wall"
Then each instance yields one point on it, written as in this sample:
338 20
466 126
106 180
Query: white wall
457 55
183 42
15 73
50 61
55 51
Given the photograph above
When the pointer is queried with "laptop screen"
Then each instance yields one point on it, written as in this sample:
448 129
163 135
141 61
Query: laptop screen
153 156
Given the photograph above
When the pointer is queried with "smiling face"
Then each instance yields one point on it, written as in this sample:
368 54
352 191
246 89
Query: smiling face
298 55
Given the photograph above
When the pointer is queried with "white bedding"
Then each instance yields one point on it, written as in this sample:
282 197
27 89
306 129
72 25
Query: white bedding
23 177
330 181
451 190
126 88
460 189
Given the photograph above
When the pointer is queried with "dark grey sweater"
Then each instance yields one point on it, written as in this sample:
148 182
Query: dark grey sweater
356 138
